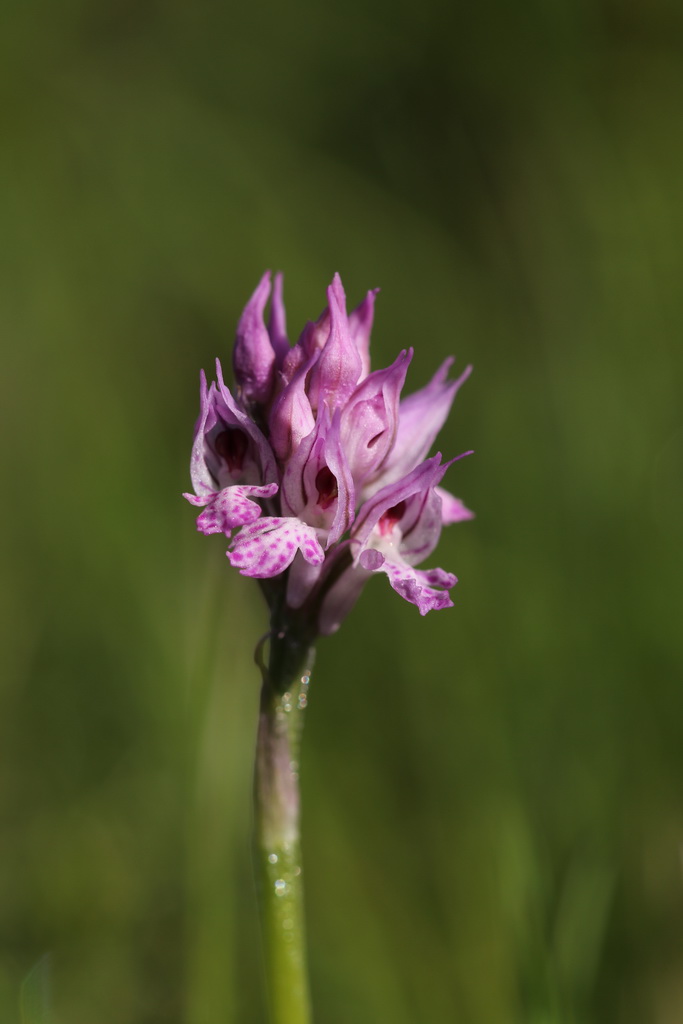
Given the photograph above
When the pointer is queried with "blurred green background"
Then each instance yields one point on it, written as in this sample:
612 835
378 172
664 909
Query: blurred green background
493 795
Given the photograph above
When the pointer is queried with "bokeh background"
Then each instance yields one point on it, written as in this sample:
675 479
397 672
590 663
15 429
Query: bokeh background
493 795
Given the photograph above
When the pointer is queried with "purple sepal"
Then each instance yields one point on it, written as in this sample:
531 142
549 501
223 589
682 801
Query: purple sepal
291 417
253 356
200 476
336 372
302 578
360 327
317 485
370 418
230 460
267 547
421 417
452 508
277 322
340 599
264 459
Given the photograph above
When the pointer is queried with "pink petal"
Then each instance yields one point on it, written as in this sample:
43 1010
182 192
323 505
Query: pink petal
277 322
452 508
420 418
267 547
417 586
360 326
338 367
231 508
370 418
253 357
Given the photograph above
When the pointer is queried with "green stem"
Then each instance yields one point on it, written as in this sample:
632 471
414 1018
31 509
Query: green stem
278 855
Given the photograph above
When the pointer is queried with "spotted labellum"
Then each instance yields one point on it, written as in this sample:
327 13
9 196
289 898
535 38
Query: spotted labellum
316 470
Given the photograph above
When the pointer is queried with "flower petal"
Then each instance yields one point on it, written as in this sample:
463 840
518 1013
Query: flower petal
253 357
277 322
336 372
452 508
409 495
291 417
231 508
370 418
268 546
202 481
360 326
420 418
341 597
317 485
267 469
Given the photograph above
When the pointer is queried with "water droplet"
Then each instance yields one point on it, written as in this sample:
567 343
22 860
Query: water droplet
288 924
287 702
297 870
280 887
272 858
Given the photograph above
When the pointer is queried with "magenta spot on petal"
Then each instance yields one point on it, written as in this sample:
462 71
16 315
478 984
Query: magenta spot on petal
290 545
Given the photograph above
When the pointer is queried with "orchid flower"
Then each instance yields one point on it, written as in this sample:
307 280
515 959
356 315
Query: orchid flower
319 464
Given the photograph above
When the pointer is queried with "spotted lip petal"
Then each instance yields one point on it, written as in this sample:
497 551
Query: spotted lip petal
268 546
231 508
418 586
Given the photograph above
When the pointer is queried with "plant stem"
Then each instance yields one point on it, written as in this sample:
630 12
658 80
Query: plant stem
278 855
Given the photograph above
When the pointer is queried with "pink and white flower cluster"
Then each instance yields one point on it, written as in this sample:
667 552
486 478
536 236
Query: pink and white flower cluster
316 470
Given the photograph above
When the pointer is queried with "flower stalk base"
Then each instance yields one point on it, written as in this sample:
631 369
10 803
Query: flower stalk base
278 854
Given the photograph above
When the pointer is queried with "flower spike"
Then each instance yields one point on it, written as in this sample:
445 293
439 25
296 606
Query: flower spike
316 469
